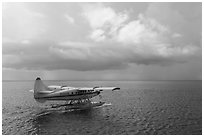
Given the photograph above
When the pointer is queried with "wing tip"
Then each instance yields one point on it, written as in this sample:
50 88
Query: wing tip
116 88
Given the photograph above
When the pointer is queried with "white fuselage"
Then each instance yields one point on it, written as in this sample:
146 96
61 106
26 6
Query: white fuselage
54 92
68 94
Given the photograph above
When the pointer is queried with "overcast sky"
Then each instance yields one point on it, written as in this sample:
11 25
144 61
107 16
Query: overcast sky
102 41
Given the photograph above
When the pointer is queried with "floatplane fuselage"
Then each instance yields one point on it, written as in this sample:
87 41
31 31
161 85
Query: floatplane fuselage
72 95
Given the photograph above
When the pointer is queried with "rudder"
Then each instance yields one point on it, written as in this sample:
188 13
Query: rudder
39 86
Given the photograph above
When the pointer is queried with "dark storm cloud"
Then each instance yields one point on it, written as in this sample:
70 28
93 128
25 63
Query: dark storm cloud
103 38
54 56
41 56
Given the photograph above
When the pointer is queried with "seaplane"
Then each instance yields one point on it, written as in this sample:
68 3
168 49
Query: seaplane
74 97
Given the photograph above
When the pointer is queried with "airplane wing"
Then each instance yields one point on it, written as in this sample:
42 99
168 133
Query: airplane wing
54 87
107 88
100 88
42 92
85 88
45 91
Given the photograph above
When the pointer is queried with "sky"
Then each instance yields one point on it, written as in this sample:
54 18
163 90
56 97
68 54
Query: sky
102 41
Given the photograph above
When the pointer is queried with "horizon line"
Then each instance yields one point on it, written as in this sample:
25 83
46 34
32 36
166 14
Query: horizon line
100 80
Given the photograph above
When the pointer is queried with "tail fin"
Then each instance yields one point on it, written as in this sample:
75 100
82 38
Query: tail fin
39 86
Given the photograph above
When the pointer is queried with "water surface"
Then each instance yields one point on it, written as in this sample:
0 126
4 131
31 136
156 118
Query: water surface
140 107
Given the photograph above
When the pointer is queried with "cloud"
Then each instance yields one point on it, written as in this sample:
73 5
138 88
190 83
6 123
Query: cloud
99 15
98 35
19 22
54 56
142 31
176 35
25 42
103 20
69 54
75 44
115 41
149 37
64 55
144 35
182 18
69 18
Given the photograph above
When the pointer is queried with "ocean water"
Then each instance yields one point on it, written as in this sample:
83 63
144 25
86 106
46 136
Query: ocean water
140 107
